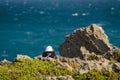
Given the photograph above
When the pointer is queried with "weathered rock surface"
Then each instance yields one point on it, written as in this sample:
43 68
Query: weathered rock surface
116 66
91 39
83 66
102 64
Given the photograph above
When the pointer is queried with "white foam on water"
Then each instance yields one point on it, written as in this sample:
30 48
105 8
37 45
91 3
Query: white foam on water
51 30
7 3
56 5
29 33
75 14
85 14
42 12
90 4
112 8
25 2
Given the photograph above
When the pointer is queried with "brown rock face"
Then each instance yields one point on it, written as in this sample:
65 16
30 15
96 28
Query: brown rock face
85 40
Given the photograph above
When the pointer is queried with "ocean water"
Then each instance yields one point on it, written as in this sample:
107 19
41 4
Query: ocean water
28 26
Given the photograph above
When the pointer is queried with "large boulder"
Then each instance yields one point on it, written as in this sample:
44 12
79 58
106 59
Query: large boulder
91 39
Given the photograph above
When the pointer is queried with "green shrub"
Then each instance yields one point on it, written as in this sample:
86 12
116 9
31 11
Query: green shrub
116 56
96 75
91 57
31 70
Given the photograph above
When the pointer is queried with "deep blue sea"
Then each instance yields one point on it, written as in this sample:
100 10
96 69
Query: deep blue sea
28 26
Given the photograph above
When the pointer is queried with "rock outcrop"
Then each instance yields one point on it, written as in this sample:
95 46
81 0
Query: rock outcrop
83 66
91 39
5 61
21 58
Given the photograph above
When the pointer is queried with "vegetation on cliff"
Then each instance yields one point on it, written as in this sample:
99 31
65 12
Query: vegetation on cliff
96 75
116 56
31 70
35 69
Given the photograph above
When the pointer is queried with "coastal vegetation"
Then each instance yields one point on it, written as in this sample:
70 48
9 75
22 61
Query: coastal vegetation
31 70
96 75
116 56
35 69
91 57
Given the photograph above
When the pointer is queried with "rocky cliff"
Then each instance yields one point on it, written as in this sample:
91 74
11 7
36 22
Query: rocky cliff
61 68
93 56
91 39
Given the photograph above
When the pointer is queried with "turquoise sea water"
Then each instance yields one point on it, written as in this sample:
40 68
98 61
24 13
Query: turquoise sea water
28 26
